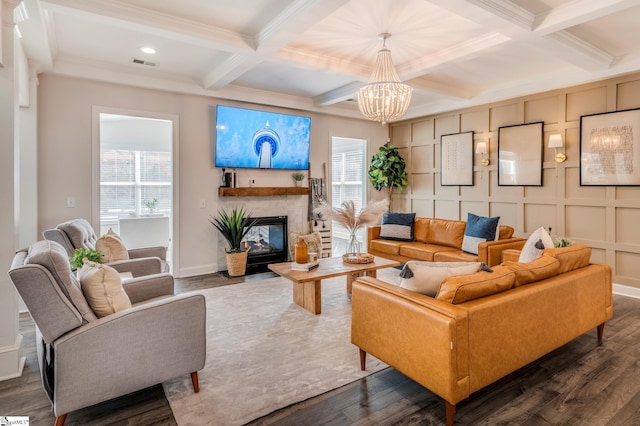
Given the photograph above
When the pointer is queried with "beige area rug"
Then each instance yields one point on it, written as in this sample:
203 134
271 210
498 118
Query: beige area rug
265 353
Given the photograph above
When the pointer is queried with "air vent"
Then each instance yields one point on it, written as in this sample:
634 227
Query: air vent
143 62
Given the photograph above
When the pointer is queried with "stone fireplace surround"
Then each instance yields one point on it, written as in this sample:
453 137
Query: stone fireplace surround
295 207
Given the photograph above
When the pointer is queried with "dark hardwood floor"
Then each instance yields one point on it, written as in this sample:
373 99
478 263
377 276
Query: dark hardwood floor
582 383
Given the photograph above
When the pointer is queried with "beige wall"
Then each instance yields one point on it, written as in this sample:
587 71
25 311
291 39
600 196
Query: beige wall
64 156
605 218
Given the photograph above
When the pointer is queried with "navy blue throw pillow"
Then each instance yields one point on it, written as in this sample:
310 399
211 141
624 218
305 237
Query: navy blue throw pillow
397 226
479 229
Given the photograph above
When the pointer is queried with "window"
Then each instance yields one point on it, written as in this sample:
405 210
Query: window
129 179
347 182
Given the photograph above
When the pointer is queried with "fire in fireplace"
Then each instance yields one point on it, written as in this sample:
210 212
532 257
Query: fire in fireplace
266 242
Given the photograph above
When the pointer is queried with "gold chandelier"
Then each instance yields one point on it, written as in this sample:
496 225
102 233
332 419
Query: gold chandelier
384 98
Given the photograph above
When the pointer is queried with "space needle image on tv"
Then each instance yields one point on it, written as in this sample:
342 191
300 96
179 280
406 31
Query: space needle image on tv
247 138
266 143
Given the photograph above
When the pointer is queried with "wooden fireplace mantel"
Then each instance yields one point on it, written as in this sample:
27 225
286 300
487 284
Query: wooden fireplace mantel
262 191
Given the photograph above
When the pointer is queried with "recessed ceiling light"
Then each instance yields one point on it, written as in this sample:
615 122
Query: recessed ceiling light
149 50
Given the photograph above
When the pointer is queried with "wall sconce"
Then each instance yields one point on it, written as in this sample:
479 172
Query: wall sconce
555 142
481 148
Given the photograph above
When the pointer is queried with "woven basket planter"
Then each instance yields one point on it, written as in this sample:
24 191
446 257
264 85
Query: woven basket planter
236 263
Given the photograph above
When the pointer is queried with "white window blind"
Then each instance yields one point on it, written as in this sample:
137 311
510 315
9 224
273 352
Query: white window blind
348 174
128 179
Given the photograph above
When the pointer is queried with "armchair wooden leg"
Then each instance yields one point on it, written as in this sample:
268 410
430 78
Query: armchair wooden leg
60 420
600 331
363 360
194 380
451 412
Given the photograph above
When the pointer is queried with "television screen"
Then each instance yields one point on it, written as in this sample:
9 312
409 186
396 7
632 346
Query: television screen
247 138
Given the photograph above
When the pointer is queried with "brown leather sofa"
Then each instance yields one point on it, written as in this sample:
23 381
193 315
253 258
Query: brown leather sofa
483 326
440 240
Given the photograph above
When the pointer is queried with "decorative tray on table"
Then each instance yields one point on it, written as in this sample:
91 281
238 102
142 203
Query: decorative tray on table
357 258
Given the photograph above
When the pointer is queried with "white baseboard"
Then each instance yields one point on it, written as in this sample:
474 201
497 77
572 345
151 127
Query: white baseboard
625 290
192 271
11 360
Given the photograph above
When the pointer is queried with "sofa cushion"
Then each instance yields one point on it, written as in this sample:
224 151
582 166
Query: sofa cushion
572 257
456 290
426 277
539 269
386 246
421 228
454 256
446 232
53 257
102 286
111 246
477 230
397 226
537 241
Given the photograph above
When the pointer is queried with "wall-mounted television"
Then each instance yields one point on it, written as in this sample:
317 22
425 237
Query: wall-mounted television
247 138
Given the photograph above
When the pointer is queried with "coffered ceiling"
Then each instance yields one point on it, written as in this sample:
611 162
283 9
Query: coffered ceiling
314 54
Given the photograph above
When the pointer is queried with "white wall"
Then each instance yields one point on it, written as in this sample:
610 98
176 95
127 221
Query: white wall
64 156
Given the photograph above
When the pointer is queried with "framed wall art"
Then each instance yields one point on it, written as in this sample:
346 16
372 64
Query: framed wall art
520 151
610 148
456 159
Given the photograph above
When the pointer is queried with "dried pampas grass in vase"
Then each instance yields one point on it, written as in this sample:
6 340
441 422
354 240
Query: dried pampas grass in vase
353 220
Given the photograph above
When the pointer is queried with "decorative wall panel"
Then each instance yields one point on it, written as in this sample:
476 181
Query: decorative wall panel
605 218
586 222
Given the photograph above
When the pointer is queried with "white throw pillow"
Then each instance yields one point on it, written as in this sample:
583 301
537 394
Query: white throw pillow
102 287
426 277
537 241
111 246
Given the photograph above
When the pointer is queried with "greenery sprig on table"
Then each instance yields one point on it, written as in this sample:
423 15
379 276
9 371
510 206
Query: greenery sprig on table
79 254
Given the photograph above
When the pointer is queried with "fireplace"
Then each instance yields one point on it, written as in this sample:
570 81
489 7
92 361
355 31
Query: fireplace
266 242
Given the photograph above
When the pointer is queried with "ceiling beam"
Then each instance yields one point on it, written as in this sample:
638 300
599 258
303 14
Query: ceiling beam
281 30
228 70
348 91
578 12
465 50
518 23
123 15
294 20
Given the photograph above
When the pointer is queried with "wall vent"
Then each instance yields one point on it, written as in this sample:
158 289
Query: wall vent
143 62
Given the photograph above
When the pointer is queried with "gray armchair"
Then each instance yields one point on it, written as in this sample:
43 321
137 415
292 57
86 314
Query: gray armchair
85 360
78 233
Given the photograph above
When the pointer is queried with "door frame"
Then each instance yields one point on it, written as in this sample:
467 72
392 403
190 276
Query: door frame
95 170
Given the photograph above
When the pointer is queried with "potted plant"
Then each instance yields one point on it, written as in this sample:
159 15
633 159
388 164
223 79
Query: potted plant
79 254
233 227
387 169
298 177
151 205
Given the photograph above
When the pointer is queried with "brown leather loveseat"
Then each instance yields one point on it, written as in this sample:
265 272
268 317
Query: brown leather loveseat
440 240
483 326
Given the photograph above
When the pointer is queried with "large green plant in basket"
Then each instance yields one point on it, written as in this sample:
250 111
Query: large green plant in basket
387 169
233 226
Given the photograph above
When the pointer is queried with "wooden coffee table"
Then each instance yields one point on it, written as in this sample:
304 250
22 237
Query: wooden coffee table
307 289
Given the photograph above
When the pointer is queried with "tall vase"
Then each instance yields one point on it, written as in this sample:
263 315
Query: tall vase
353 245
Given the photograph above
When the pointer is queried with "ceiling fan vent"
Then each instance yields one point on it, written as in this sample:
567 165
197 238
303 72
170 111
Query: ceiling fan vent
143 62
